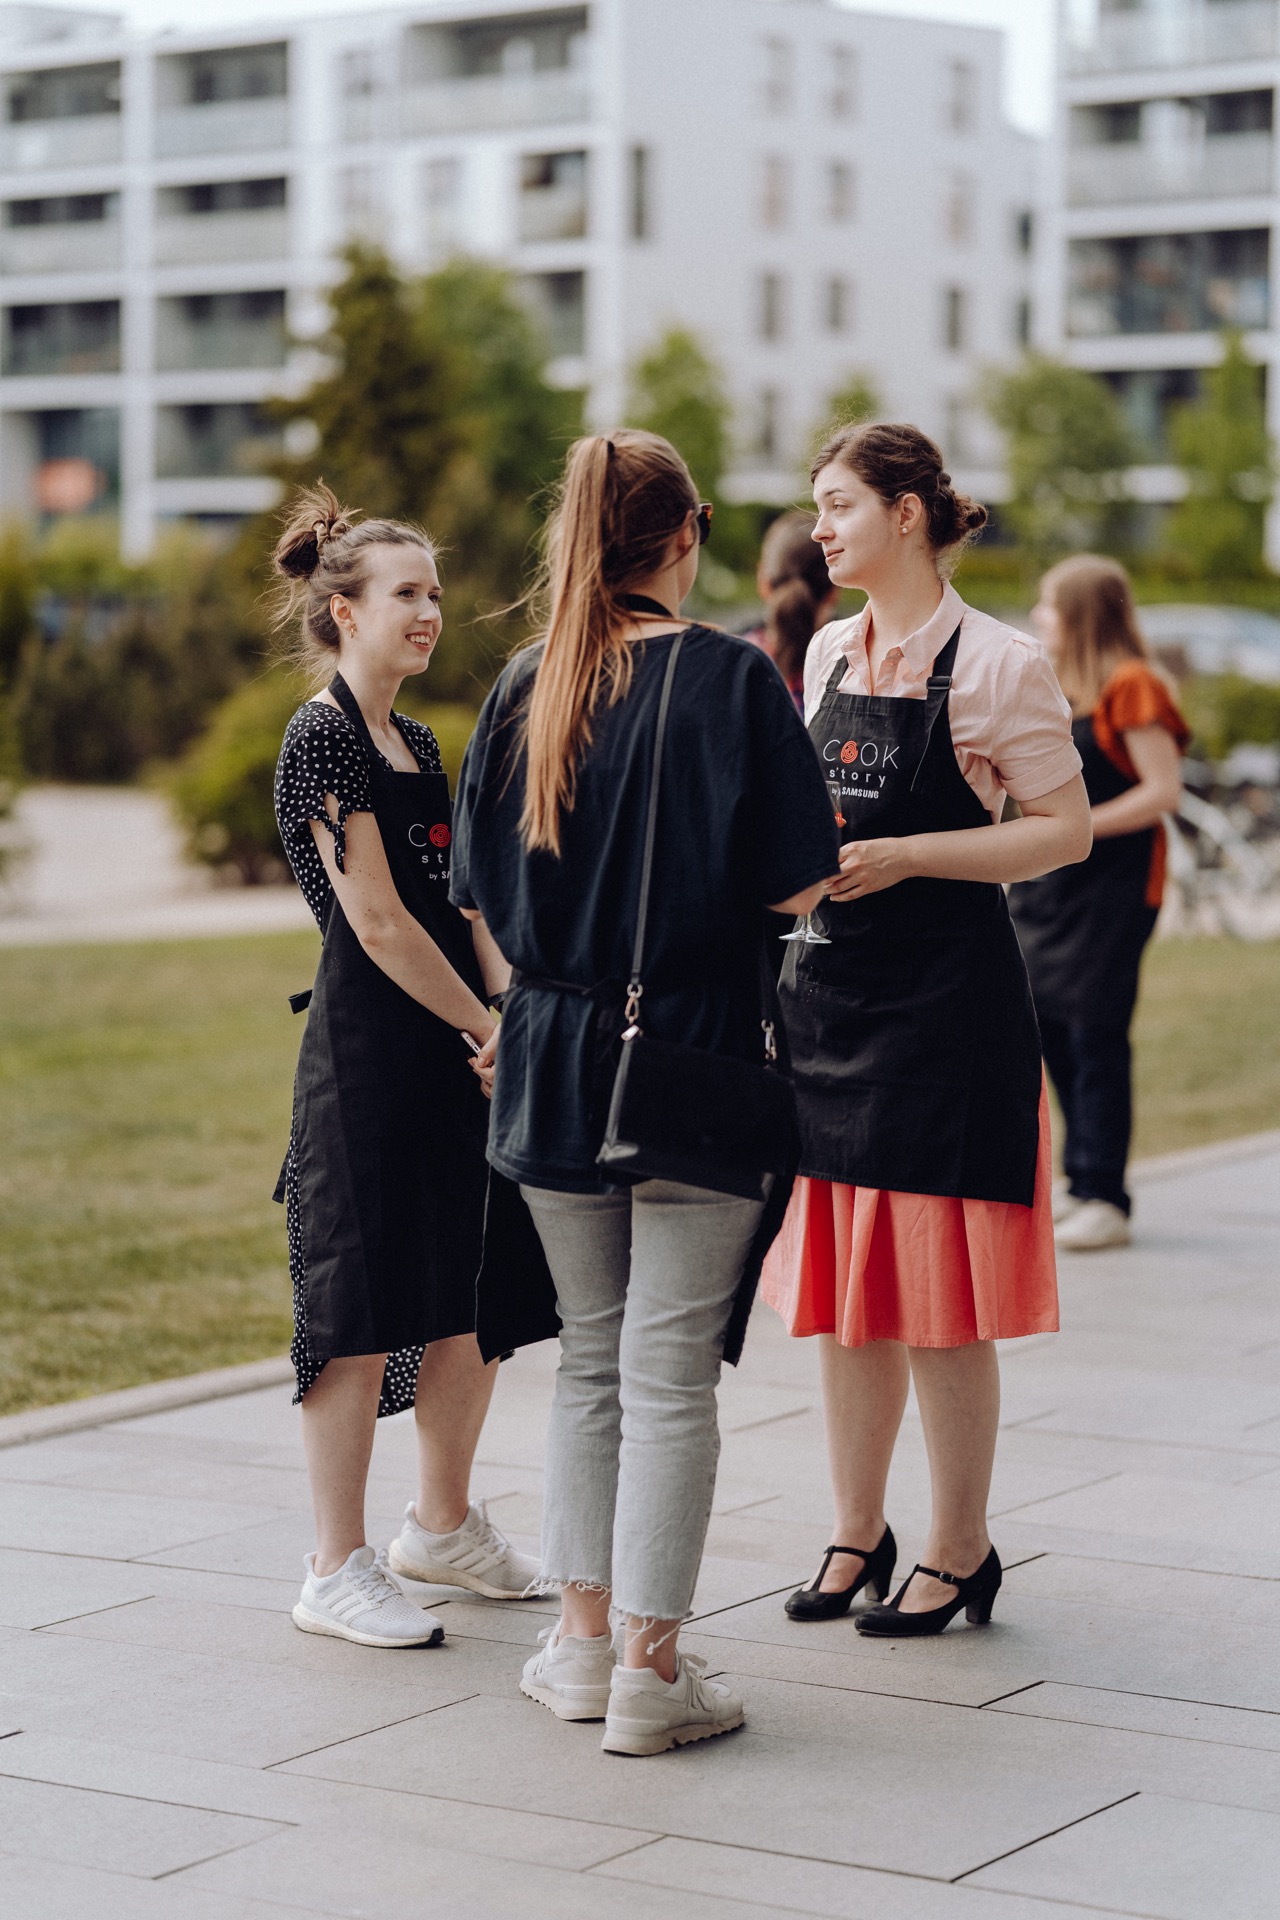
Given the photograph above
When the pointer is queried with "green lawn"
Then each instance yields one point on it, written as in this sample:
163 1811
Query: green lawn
144 1111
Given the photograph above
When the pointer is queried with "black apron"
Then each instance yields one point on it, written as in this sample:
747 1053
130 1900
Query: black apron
1084 928
913 1036
387 1159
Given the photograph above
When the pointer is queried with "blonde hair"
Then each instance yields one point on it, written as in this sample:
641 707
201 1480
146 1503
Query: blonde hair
322 550
623 499
1097 625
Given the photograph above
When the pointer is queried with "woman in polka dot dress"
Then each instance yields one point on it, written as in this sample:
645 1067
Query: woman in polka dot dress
386 1181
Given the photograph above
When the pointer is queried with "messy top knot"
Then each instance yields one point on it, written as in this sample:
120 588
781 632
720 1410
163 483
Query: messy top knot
322 551
894 460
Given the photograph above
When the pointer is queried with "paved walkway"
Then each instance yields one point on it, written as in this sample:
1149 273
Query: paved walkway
175 1750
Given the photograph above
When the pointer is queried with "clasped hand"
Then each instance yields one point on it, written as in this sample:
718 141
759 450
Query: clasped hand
482 1063
869 866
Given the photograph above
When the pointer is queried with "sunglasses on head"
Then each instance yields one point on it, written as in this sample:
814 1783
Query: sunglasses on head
702 521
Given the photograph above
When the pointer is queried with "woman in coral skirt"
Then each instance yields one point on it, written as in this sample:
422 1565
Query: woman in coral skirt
921 1229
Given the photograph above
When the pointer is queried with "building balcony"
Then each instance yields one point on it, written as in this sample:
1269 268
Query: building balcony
222 126
80 246
1130 172
82 140
491 102
212 239
1193 33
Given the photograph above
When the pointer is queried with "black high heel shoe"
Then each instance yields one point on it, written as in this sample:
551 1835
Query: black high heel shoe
810 1603
976 1594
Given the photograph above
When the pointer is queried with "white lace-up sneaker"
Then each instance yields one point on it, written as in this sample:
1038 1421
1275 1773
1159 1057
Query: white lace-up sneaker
361 1602
648 1714
475 1556
570 1676
1095 1224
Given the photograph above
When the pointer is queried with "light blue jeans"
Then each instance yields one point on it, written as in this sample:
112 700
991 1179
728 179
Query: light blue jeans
645 1281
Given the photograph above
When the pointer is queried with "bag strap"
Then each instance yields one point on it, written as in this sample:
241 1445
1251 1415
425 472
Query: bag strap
635 986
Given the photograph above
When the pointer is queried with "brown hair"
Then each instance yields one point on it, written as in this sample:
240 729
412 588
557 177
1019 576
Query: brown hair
795 570
895 460
322 551
623 499
1098 625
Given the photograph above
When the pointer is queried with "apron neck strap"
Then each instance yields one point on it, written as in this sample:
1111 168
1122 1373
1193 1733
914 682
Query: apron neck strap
641 603
351 707
940 679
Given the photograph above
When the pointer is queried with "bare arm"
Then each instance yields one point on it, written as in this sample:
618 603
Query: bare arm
1154 753
1054 831
494 965
388 932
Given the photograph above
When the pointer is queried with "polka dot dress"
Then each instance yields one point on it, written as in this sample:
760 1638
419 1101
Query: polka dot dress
322 753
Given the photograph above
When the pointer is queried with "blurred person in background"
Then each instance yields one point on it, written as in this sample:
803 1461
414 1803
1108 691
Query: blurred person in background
798 596
921 1229
386 1178
654 1277
1084 929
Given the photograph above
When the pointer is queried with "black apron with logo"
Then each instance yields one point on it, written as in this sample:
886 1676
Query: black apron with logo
913 1036
387 1160
1084 928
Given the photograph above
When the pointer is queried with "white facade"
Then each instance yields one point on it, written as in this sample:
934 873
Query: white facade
1165 195
813 191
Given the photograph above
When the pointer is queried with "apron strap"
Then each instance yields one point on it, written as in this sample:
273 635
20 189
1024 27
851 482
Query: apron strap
937 696
944 665
351 707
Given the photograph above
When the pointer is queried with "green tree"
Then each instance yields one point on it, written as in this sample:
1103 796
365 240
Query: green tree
677 390
1067 448
1222 445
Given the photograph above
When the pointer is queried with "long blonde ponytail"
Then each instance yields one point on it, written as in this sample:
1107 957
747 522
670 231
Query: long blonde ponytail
623 499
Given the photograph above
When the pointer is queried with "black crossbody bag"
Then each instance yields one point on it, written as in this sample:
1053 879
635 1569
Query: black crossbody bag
681 1113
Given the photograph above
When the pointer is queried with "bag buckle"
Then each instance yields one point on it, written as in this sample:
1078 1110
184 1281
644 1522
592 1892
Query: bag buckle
770 1041
631 1012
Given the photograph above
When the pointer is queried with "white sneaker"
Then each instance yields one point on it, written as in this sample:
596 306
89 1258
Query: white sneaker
1094 1224
1064 1202
475 1556
570 1676
648 1714
361 1602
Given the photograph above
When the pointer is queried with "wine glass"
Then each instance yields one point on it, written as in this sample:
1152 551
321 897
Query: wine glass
804 930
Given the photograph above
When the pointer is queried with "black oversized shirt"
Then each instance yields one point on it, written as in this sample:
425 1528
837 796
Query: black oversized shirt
743 821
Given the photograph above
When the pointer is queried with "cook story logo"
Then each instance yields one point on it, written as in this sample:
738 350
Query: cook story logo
431 842
860 768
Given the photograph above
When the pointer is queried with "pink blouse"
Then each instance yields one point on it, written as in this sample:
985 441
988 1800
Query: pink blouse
1010 725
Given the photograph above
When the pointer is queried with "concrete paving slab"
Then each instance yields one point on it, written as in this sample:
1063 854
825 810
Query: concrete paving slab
50 1890
1145 1713
1172 1859
110 1526
39 1589
1136 1588
115 1832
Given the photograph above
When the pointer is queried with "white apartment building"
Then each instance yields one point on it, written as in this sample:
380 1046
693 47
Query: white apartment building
1165 198
812 190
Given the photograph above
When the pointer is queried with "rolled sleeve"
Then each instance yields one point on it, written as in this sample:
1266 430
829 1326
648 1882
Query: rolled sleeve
1032 751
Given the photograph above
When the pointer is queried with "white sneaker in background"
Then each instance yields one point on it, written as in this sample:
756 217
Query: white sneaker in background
1064 1202
361 1602
475 1556
570 1676
648 1714
1094 1224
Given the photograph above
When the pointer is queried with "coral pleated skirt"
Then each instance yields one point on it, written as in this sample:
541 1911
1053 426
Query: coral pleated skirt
866 1264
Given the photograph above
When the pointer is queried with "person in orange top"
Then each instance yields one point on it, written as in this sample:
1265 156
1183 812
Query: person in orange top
1083 930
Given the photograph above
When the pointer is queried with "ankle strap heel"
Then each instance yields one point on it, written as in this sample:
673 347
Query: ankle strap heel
975 1592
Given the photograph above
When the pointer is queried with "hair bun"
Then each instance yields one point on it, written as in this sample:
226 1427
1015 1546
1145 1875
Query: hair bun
315 518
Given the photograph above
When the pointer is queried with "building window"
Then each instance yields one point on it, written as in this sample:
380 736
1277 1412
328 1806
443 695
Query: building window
558 302
1024 233
360 198
1149 398
775 191
442 199
837 305
63 93
229 73
842 95
1230 113
224 196
194 331
214 441
962 96
779 75
772 310
954 319
68 337
841 191
958 435
553 196
767 438
640 193
358 73
1169 283
959 213
510 44
62 210
75 458
1022 329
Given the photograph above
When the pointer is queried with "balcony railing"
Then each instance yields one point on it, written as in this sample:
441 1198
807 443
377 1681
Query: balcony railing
80 246
82 140
222 126
1197 33
496 101
553 213
187 349
247 234
1228 165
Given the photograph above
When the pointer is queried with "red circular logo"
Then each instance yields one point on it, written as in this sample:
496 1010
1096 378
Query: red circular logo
440 836
849 752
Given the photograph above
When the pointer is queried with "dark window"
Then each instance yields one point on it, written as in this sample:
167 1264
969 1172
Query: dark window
772 306
70 337
954 318
641 193
64 93
1227 113
517 43
1148 397
228 196
1169 283
61 210
221 330
837 305
1024 232
559 304
553 196
195 442
77 459
1115 125
768 435
234 73
1022 322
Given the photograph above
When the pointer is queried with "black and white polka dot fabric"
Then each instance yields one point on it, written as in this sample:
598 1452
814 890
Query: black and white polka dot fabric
322 753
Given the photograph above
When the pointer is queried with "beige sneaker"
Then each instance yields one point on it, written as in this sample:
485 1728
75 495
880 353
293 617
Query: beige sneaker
648 1714
570 1676
1095 1224
1064 1202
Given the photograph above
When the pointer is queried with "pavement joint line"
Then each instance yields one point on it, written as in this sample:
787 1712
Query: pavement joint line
770 1420
1175 1699
1180 1446
150 1800
625 1853
328 1746
91 1613
1041 1837
1013 1694
731 1606
1041 1500
1027 1560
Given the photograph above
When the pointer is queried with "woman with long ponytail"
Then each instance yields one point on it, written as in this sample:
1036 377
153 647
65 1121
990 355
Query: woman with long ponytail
652 1275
